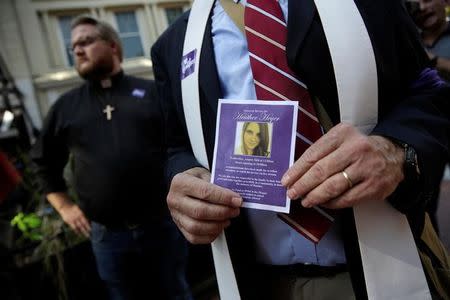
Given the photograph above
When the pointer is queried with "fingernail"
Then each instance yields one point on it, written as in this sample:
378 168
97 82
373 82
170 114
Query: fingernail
236 201
285 179
306 204
292 194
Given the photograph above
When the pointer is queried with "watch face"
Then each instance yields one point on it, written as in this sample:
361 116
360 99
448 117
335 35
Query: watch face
411 165
411 169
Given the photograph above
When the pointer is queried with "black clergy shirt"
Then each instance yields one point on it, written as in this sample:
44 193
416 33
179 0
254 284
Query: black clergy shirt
117 163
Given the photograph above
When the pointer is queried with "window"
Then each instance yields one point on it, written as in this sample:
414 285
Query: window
129 34
173 13
64 26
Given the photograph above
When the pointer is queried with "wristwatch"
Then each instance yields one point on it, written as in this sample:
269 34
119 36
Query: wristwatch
409 191
411 169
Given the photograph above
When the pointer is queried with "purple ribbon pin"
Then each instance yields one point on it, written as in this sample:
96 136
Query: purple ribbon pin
138 93
188 64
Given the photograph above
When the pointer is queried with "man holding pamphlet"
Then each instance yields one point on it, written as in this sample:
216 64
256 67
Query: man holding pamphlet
371 124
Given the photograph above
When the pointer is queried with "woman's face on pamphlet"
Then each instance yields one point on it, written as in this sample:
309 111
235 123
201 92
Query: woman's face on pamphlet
252 136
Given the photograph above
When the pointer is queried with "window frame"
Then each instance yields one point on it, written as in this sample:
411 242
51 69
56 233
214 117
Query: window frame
135 11
62 44
161 7
50 22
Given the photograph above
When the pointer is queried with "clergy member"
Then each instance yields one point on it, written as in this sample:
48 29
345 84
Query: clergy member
282 53
111 127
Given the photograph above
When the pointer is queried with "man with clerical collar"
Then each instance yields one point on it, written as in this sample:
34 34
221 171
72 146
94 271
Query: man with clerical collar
111 127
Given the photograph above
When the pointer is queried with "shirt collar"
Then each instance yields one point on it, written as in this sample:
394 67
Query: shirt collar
107 82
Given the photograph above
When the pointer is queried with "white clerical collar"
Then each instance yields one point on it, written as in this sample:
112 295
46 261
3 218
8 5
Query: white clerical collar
106 83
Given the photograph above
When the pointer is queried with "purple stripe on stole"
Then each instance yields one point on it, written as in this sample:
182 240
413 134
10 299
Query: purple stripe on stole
428 78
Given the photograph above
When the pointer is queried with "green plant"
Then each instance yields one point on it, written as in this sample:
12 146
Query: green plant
29 225
42 236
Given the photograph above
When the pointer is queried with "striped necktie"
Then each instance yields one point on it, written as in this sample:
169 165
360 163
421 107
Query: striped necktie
266 32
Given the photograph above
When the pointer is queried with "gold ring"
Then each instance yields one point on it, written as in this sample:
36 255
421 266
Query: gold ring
350 183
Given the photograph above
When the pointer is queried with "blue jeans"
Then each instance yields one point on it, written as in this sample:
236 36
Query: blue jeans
148 262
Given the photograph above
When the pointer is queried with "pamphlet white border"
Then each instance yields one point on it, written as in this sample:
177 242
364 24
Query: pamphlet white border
294 104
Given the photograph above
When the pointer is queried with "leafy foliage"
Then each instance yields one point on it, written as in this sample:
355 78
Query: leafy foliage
29 225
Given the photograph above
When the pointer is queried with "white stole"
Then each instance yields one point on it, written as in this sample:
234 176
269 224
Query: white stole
391 264
198 19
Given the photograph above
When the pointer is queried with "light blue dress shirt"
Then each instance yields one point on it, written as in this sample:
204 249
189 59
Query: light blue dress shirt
276 242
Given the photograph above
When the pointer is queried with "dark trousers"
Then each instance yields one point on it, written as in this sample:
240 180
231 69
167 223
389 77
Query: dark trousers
295 282
146 262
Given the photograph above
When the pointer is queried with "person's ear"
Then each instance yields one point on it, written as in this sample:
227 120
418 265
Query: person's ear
115 48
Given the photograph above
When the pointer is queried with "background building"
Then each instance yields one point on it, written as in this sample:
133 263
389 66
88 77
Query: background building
35 41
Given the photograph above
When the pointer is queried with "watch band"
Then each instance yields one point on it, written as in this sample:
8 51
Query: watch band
411 168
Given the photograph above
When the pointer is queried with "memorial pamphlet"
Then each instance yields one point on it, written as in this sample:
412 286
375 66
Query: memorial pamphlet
254 146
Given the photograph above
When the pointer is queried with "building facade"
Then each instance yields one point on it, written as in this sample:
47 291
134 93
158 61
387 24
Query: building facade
35 41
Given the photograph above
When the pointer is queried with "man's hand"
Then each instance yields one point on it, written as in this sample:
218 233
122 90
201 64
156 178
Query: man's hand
373 164
201 209
75 218
442 64
71 213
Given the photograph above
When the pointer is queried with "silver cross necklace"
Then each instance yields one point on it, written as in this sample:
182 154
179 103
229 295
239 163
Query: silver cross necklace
108 111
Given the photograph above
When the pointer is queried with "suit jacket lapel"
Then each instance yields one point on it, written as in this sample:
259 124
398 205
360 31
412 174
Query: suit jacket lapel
210 90
301 14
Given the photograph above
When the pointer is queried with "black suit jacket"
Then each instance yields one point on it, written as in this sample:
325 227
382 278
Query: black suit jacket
417 117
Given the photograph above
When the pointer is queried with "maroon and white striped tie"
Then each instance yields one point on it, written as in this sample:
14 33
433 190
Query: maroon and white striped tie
266 32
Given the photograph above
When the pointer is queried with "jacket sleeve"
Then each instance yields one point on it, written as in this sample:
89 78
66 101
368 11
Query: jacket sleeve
420 119
179 152
50 153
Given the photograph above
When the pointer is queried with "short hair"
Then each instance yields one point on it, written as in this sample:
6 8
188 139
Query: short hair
106 31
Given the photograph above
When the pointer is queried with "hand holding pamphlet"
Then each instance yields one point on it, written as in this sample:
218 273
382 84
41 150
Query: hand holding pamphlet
255 145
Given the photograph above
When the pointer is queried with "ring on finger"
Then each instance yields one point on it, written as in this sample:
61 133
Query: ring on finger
349 181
